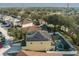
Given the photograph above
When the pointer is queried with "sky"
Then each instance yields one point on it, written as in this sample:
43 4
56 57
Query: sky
38 4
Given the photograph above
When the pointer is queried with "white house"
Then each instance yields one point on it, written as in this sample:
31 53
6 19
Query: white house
5 18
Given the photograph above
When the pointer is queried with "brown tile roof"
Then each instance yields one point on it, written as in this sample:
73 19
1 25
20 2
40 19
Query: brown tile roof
26 21
31 28
32 53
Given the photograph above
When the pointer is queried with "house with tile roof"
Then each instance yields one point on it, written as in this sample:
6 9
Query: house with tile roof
5 18
38 41
28 26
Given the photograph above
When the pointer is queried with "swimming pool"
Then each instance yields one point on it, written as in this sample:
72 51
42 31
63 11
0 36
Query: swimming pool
62 45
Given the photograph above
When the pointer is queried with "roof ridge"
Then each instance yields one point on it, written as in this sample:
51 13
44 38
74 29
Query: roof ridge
42 33
40 36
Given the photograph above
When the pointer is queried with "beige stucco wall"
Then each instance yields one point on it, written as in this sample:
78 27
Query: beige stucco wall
38 45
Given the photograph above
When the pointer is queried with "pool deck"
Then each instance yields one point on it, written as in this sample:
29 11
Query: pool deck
73 50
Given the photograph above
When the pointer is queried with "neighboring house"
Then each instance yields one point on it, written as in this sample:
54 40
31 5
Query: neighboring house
16 22
27 23
31 28
7 24
18 17
28 26
38 41
42 22
5 18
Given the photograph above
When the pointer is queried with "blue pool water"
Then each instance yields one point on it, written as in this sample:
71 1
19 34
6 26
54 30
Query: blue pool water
61 43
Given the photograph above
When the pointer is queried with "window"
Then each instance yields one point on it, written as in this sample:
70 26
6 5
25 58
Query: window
31 43
41 42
